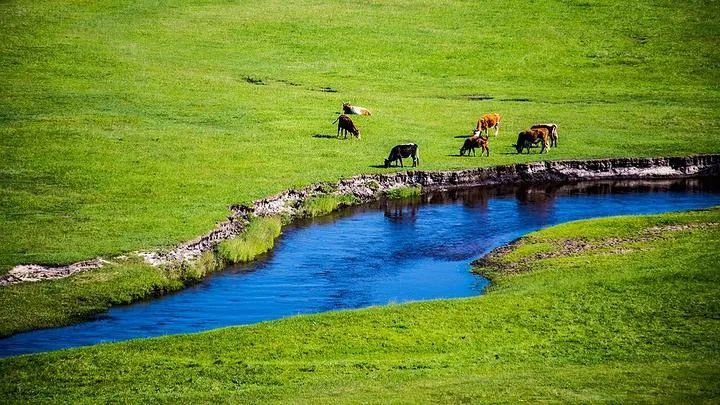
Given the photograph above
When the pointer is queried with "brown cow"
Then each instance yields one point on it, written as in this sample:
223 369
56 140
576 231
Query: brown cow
353 109
475 141
346 125
488 121
553 132
530 137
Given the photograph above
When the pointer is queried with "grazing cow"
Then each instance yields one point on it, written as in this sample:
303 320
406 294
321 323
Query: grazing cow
488 121
346 125
399 152
553 132
475 141
530 137
353 109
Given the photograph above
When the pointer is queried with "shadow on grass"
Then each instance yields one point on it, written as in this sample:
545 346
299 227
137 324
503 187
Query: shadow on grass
326 136
468 156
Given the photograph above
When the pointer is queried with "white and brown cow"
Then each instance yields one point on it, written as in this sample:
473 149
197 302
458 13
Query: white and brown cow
353 109
488 121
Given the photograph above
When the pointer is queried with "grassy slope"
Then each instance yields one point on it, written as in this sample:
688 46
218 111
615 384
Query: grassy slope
125 125
636 325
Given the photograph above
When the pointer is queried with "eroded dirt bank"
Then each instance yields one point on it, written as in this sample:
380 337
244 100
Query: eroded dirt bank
370 187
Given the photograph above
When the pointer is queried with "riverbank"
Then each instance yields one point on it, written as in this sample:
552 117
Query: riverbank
127 279
627 321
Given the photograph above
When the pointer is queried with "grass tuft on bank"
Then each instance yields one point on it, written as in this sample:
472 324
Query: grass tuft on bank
258 238
631 317
325 204
403 192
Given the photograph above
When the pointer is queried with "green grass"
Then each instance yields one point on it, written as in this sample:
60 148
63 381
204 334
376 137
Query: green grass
76 298
126 125
258 238
325 204
633 325
403 192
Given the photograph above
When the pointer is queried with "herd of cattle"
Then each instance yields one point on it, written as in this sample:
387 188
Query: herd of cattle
545 134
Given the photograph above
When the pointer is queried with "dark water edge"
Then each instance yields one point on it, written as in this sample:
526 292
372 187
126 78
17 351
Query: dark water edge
380 253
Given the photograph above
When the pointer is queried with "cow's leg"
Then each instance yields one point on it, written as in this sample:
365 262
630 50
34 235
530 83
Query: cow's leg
497 129
401 163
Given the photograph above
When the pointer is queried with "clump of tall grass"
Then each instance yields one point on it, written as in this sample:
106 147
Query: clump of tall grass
258 238
325 204
403 192
189 272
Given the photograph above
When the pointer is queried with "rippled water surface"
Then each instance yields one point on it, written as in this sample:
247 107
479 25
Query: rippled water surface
384 253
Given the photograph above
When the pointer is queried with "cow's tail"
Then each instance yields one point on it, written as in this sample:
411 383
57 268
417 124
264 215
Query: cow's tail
336 119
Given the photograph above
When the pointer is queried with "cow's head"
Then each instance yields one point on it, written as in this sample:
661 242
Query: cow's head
387 163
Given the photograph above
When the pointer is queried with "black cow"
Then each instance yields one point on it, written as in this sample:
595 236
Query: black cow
399 152
346 125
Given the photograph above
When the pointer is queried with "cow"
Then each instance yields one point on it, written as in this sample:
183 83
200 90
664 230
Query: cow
530 137
353 109
399 152
346 125
488 121
475 141
553 132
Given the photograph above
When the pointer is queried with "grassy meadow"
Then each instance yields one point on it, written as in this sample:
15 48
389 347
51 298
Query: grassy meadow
127 125
632 317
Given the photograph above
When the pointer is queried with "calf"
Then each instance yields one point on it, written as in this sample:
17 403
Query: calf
532 137
488 121
353 109
399 152
475 141
553 132
346 125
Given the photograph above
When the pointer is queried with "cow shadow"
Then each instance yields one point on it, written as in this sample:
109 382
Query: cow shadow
379 166
468 156
325 136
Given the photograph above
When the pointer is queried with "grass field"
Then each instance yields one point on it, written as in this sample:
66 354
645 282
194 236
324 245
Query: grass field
128 125
631 320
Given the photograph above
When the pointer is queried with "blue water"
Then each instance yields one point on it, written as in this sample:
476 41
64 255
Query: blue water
386 253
